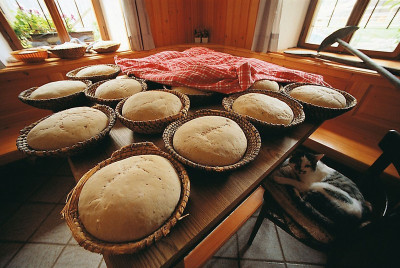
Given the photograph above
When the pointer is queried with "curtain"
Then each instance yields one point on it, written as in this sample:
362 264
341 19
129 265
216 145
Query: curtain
266 33
137 24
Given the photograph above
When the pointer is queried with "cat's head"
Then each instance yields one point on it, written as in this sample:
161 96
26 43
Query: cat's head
304 162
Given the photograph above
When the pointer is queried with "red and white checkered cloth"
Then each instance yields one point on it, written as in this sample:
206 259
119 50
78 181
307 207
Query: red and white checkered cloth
206 69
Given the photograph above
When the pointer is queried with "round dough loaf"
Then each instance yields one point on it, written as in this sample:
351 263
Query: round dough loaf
104 44
118 88
264 108
190 90
211 141
95 70
129 199
66 128
151 105
58 89
266 84
319 95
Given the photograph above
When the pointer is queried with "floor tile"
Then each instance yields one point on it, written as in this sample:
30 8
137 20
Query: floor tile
36 255
7 251
229 249
265 245
53 230
221 263
20 188
24 222
54 190
8 209
299 265
72 241
76 256
295 251
253 263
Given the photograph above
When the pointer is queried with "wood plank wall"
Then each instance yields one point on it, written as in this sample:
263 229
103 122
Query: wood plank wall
229 22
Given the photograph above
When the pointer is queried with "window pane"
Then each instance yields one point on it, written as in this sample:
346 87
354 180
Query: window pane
31 22
79 19
379 27
329 16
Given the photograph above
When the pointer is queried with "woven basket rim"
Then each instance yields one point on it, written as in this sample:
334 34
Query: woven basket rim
253 140
22 143
350 100
91 90
297 108
52 103
208 93
69 53
71 214
132 124
72 74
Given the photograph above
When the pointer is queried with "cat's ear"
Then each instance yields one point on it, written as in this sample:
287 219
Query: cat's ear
319 156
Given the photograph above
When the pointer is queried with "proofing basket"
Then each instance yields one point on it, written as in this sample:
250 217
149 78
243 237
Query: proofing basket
153 126
297 108
71 214
55 104
22 143
94 78
35 55
251 133
91 91
318 113
69 53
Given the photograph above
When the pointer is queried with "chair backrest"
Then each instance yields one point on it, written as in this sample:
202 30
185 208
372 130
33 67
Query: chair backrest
373 188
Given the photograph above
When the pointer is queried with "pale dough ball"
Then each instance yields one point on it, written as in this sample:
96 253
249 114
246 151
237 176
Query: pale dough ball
264 108
211 140
129 199
96 70
151 105
118 88
319 95
266 84
58 89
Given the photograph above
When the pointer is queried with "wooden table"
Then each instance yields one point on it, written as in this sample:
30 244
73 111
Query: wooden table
212 198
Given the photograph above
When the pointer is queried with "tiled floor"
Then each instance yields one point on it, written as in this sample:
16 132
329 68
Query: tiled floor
32 233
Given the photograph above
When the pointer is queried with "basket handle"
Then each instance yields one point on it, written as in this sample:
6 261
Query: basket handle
137 145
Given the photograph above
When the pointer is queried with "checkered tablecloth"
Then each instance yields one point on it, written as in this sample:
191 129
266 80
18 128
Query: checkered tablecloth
206 69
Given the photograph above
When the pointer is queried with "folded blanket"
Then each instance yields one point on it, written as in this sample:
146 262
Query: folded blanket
206 69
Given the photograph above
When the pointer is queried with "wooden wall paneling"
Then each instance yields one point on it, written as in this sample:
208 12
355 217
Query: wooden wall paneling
180 20
228 26
165 22
217 30
195 9
251 23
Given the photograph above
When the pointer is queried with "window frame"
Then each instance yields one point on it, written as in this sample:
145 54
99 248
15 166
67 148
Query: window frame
354 19
62 32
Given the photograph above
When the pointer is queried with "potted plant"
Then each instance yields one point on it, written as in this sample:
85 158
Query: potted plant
197 36
204 36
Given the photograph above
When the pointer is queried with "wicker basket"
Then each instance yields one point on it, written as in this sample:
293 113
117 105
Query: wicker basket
91 91
71 214
318 113
69 53
30 55
201 99
107 49
154 126
55 104
298 113
252 135
95 78
22 143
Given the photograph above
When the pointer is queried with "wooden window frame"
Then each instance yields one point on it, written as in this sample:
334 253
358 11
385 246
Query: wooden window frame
354 19
15 44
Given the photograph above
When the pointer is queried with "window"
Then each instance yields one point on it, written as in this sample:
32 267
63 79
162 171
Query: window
378 21
50 22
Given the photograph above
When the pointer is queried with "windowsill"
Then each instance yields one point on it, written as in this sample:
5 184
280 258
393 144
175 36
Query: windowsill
395 64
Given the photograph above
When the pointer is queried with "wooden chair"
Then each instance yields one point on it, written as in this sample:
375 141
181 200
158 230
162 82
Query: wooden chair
278 207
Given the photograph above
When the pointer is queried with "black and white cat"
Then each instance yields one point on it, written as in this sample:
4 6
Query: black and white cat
331 193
